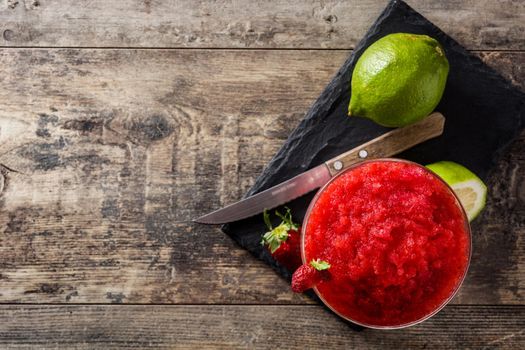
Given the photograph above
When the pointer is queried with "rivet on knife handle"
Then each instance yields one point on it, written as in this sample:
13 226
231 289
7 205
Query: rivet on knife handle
391 143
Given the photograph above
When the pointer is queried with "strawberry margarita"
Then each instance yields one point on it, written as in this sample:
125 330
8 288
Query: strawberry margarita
396 239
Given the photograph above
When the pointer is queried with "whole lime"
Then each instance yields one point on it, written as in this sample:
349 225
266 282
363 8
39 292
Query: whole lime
399 79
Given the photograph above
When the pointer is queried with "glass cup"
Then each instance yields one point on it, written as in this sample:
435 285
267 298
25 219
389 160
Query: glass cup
467 230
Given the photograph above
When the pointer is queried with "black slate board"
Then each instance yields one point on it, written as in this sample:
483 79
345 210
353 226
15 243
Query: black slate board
483 111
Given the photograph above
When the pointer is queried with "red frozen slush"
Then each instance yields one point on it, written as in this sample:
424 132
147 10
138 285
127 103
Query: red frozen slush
396 238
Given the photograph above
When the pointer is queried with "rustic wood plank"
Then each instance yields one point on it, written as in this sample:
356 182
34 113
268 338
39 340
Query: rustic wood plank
266 327
112 162
483 24
106 156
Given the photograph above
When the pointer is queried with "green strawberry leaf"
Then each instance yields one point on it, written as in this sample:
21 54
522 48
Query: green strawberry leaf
320 265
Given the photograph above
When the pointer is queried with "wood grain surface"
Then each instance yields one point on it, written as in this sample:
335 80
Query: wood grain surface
106 164
477 24
120 121
246 327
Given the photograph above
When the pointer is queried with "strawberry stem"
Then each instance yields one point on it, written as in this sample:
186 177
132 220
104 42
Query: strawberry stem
266 218
287 218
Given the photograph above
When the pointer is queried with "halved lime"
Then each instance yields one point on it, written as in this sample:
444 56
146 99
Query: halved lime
469 188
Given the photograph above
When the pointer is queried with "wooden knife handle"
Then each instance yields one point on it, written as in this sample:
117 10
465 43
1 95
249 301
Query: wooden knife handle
391 143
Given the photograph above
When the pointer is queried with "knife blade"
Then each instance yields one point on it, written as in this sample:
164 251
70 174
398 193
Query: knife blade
386 145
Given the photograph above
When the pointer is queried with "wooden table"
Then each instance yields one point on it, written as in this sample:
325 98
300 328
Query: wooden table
120 121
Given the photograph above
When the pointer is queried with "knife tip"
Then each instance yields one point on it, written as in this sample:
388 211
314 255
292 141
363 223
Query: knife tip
203 220
197 221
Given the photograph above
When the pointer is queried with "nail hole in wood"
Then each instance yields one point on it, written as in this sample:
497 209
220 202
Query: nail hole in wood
8 35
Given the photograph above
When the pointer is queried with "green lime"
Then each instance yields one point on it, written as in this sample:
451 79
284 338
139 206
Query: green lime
399 79
469 188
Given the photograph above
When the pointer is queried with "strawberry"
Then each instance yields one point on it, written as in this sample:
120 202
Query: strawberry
308 275
284 241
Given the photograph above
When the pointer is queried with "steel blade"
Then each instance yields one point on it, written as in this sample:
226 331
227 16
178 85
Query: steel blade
270 198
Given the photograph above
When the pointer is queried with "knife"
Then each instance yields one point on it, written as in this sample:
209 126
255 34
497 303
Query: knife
386 145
